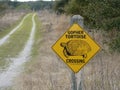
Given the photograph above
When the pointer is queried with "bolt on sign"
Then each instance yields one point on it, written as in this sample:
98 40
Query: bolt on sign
75 47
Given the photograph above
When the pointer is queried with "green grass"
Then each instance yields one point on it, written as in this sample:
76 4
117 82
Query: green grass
16 42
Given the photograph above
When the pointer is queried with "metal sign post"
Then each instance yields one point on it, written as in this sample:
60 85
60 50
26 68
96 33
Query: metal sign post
77 77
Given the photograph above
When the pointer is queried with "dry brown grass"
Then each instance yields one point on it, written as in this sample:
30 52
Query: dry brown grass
48 72
102 73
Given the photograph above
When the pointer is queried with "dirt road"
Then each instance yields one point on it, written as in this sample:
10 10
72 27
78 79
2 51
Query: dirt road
13 68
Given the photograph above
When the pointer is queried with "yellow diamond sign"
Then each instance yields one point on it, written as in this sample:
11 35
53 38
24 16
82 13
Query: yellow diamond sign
75 47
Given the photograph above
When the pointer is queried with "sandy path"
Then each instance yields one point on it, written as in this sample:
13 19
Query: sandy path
13 70
5 38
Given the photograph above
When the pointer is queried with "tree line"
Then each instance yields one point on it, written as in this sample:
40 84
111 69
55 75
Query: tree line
36 5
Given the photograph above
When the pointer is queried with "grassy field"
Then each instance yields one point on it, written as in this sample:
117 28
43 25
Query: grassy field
15 43
46 71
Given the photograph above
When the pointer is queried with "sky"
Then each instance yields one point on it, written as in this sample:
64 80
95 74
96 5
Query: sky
29 0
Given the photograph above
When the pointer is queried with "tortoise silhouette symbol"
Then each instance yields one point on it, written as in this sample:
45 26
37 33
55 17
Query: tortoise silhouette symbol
76 48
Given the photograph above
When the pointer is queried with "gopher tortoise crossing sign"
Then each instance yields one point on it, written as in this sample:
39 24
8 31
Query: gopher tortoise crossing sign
75 47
